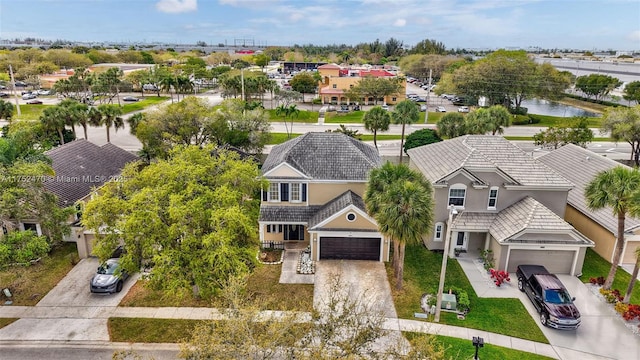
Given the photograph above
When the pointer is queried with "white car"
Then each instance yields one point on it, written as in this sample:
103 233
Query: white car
441 109
29 96
463 109
43 92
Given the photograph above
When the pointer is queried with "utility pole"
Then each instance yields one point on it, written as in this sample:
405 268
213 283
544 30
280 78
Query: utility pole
426 113
13 86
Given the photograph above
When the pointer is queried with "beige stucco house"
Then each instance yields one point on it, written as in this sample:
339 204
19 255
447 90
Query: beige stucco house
337 80
316 184
580 166
504 200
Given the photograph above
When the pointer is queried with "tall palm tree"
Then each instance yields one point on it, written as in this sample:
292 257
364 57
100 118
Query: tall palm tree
183 85
634 278
377 119
499 118
94 117
400 199
53 119
616 188
290 111
111 116
405 112
135 120
451 125
81 113
167 83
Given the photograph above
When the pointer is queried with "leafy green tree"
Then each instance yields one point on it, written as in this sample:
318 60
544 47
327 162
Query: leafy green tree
420 138
304 83
239 126
108 84
632 92
405 112
376 119
493 119
400 200
21 247
429 46
577 133
261 60
624 125
617 189
347 131
111 117
192 216
375 87
597 85
451 125
6 110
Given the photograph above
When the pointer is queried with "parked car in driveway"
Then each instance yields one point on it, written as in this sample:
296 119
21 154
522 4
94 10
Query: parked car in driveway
109 277
463 109
130 98
441 109
549 296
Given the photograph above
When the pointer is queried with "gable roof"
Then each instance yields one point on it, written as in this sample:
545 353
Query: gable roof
580 166
526 215
325 156
341 202
81 166
483 153
376 73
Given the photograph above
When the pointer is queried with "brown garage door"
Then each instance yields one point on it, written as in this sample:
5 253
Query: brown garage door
556 261
350 248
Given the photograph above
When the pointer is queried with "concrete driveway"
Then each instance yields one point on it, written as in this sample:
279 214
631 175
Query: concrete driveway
360 279
73 290
602 334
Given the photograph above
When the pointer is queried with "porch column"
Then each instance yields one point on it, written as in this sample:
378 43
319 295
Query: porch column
454 239
487 241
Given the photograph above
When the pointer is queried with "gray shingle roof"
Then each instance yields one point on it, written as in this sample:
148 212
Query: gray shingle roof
325 156
580 166
526 214
81 166
481 152
297 214
339 203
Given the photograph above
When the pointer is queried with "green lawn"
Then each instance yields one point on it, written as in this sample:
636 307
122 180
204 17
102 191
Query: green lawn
352 117
302 117
143 103
30 112
595 266
547 121
30 284
147 330
421 275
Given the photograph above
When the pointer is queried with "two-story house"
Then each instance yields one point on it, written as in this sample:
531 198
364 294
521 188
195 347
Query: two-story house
336 81
316 184
504 200
580 166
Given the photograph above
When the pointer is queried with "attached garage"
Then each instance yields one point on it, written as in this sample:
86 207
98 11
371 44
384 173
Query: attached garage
556 261
350 248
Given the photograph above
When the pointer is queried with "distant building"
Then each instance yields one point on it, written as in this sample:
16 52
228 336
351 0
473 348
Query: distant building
337 80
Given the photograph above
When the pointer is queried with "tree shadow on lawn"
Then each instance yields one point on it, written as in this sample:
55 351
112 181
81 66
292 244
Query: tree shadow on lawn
498 315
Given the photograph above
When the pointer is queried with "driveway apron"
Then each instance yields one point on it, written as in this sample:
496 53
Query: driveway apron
366 280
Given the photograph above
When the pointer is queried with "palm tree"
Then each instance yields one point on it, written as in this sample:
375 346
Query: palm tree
290 111
377 119
94 117
616 188
135 120
53 119
499 118
634 278
451 125
111 117
405 112
183 85
167 83
400 200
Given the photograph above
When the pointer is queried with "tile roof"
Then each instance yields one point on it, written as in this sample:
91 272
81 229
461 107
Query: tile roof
329 66
483 152
526 214
580 166
81 166
325 156
299 214
376 73
339 203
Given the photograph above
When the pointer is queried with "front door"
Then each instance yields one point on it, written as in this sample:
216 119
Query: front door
461 240
294 232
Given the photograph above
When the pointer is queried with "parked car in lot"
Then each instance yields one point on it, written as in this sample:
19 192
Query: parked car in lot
109 277
3 95
43 92
423 107
463 109
34 102
130 99
29 96
441 109
549 296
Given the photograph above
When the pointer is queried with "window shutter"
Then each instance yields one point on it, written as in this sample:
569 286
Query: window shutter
284 192
264 195
304 192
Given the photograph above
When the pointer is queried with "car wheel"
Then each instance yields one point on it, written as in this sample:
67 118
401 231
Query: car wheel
119 286
544 318
520 285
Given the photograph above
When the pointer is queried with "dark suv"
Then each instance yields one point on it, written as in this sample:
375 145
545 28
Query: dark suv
549 297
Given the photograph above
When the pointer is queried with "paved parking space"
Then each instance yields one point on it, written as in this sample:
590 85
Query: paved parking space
73 290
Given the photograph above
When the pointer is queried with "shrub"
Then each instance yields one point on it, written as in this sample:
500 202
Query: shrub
633 312
524 120
462 299
597 281
621 308
22 247
611 296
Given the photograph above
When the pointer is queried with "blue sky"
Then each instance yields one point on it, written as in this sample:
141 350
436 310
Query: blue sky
579 24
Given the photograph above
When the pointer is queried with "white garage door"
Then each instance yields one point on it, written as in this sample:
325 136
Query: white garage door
556 261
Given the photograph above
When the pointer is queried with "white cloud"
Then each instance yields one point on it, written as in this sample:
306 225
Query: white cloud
177 6
634 35
400 23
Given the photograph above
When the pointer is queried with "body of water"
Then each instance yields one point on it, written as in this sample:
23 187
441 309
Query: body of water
546 107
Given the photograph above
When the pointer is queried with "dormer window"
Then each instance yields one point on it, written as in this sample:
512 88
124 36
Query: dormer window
493 198
274 192
457 195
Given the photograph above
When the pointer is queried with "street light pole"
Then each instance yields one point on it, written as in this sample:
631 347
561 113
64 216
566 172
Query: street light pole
445 257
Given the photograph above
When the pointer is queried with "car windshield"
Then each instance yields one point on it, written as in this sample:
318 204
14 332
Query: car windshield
557 296
107 269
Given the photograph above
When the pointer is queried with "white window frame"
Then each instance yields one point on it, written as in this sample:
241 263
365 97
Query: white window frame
295 192
438 234
464 197
494 198
274 192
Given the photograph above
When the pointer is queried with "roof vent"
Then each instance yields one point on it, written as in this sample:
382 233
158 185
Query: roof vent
588 158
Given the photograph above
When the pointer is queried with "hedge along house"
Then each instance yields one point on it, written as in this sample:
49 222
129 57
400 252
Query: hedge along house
80 168
581 166
316 184
506 201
